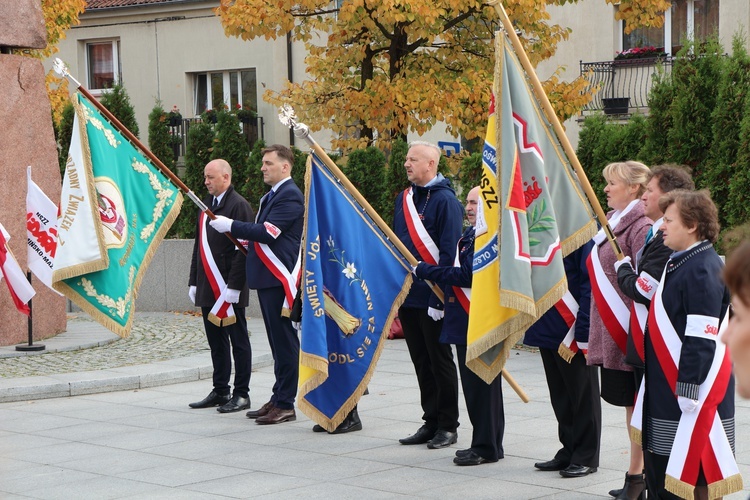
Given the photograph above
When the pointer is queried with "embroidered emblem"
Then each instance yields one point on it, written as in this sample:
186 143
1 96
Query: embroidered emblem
272 230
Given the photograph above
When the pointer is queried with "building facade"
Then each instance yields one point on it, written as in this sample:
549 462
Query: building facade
176 52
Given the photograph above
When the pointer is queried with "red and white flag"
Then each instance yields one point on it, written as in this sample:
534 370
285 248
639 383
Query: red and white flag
41 232
19 287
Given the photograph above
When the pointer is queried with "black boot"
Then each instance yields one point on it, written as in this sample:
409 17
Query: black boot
350 424
634 488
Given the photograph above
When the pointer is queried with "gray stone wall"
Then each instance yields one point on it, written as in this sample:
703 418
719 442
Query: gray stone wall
26 138
165 285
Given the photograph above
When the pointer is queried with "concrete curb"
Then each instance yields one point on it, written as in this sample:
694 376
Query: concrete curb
80 375
126 378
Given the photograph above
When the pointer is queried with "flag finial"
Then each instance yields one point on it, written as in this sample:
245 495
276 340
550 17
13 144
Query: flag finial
62 70
288 118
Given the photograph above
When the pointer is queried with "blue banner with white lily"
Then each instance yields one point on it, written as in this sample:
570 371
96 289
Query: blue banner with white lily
353 282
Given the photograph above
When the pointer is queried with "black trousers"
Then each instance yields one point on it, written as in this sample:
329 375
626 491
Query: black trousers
656 473
574 394
436 371
219 340
484 403
284 342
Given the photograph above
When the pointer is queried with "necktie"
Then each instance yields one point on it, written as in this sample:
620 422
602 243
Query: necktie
267 200
650 234
215 204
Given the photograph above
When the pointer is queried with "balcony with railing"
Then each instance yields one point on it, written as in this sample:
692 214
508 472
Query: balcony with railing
622 86
252 131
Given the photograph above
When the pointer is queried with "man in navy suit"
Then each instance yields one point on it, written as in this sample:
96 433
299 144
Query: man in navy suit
272 267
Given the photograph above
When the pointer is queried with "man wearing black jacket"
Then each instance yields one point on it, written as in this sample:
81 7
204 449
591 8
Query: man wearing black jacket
217 285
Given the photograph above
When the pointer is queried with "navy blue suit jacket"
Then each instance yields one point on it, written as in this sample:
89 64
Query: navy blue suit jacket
456 322
285 213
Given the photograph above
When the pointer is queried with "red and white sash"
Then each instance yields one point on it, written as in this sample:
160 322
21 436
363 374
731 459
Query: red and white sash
428 250
646 285
611 307
462 294
289 280
567 307
636 420
222 313
700 440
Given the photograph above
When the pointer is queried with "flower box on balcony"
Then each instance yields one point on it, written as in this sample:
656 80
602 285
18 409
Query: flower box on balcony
174 118
616 105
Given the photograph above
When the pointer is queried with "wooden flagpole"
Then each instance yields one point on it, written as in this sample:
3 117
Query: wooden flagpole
61 69
303 132
556 125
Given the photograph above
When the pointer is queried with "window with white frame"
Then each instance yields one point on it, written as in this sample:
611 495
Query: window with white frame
687 19
103 64
233 89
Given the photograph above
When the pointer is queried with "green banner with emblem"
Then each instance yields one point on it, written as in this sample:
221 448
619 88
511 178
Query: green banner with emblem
114 199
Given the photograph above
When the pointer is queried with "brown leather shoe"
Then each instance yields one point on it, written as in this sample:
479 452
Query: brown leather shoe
277 416
260 412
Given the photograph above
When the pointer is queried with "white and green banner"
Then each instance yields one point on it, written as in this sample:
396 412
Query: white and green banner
116 207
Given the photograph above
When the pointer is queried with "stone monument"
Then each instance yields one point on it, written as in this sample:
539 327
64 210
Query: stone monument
26 138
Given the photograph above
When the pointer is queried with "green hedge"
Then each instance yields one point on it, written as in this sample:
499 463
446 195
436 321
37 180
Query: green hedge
699 116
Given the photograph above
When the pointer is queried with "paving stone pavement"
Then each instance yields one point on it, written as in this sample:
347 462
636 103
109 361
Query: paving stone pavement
111 440
163 348
154 337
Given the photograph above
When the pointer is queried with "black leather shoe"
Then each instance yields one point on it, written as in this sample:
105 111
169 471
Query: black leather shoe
212 399
471 458
237 403
442 439
260 412
575 470
616 493
343 428
420 437
554 464
463 453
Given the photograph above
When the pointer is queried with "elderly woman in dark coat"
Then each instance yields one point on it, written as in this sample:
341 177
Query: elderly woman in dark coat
688 415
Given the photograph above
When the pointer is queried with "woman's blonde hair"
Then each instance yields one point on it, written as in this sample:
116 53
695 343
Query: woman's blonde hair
630 172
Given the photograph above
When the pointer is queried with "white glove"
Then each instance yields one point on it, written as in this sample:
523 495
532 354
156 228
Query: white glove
414 269
222 224
296 325
687 405
435 314
232 296
191 294
625 260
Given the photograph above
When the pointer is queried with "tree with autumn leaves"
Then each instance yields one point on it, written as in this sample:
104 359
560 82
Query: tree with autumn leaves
379 69
387 67
59 15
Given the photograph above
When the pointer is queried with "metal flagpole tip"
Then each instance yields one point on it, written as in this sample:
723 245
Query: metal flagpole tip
288 118
59 67
62 70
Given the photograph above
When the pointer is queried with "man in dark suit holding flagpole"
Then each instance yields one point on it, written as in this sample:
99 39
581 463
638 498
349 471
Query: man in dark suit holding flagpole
217 286
273 266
